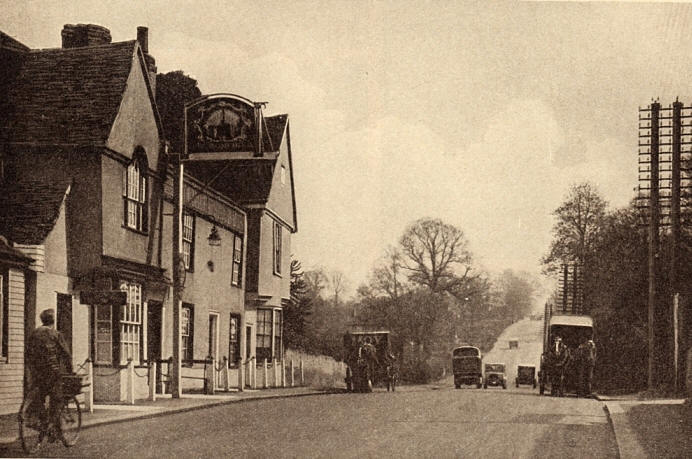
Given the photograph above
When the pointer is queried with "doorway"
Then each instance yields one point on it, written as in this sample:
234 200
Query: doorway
154 313
213 351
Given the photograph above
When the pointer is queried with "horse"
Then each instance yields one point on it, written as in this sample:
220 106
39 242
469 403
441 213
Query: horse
366 362
557 360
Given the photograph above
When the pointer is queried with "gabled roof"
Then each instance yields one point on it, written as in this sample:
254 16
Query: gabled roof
29 210
275 126
66 96
7 42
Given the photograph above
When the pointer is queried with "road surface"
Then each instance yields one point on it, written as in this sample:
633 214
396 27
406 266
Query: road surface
423 421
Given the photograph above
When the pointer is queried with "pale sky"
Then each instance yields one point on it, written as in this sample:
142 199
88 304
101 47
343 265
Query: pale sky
481 114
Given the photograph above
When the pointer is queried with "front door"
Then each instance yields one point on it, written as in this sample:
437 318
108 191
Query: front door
154 309
213 336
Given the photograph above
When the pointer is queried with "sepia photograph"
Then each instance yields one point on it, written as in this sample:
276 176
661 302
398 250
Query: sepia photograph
330 228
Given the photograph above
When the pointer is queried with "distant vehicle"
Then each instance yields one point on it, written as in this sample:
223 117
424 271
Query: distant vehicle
495 375
563 333
526 374
466 364
370 361
514 344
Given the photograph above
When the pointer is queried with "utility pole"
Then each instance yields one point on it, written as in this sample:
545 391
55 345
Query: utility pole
671 309
653 240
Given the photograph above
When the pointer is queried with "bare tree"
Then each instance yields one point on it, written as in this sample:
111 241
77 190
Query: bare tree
435 255
576 228
338 284
386 276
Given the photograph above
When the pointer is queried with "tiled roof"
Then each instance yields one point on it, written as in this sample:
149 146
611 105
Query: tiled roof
28 210
8 253
66 95
8 42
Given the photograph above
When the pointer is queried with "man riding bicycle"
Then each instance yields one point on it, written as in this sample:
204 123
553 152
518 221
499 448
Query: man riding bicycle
48 359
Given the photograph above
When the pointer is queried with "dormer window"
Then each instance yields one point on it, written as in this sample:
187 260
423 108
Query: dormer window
135 193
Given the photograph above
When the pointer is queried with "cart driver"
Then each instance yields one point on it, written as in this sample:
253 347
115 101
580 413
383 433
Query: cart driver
48 358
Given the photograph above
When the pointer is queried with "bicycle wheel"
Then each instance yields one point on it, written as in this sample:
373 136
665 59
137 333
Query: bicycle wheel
30 432
70 421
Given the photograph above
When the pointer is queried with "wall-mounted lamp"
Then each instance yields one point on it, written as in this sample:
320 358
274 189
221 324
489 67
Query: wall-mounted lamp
214 238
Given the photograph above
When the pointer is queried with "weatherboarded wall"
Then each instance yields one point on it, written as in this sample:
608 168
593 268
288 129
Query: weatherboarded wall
12 365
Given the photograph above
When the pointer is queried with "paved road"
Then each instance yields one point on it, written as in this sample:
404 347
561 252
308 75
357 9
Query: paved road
413 422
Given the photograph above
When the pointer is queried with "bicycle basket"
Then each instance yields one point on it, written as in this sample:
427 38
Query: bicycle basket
72 385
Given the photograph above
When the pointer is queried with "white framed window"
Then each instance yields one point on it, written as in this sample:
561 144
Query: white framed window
103 334
277 248
188 240
131 323
237 260
187 320
135 194
269 334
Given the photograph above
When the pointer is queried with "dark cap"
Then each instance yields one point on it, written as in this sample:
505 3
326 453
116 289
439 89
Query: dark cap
47 317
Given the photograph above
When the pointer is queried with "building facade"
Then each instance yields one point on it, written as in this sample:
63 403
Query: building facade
87 215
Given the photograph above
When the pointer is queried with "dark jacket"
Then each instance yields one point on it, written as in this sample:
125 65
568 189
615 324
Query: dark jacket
47 354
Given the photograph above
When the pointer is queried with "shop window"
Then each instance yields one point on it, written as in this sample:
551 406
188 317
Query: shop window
117 329
103 334
131 323
277 329
263 349
269 334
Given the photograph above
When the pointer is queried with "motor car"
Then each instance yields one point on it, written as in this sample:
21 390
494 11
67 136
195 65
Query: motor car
466 363
494 375
526 374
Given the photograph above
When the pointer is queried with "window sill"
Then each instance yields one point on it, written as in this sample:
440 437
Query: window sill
143 233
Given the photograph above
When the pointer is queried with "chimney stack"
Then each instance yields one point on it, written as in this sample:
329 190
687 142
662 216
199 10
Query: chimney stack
80 35
143 38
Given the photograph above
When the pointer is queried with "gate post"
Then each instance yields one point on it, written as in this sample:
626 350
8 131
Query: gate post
241 374
227 369
292 377
152 381
283 372
266 374
130 381
89 396
302 374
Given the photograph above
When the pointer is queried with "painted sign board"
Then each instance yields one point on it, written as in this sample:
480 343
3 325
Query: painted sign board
95 296
222 126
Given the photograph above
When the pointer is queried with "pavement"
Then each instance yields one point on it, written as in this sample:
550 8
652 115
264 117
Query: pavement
650 428
164 404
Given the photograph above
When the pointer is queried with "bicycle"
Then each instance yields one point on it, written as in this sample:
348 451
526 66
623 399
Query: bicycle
33 432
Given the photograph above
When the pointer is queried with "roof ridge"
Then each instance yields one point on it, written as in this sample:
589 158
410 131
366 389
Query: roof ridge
77 48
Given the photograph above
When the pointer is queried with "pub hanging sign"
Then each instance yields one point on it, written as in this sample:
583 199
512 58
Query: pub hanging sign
222 126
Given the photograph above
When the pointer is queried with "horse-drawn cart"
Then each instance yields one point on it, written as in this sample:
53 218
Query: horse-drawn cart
370 361
564 362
